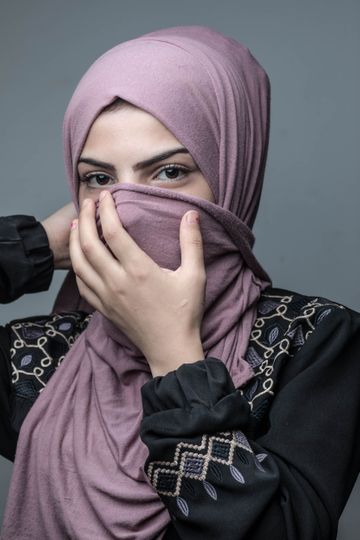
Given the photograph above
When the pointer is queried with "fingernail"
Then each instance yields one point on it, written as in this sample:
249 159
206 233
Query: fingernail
102 195
192 217
74 224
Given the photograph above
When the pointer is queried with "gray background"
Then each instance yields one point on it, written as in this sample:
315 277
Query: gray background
308 224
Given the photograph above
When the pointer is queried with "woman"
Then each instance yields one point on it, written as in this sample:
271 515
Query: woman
198 402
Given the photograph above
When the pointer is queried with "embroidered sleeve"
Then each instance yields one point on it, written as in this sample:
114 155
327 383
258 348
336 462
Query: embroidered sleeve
222 473
200 460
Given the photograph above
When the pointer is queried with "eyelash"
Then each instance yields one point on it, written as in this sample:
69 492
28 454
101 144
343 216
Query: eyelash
87 177
177 168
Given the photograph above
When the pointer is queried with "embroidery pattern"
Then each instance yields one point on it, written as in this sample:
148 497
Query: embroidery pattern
194 461
282 327
39 345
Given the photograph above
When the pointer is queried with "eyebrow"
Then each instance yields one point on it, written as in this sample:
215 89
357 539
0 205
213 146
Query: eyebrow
137 166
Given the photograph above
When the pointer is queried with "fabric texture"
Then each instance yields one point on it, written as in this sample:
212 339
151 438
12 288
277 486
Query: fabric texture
80 440
284 466
300 346
26 262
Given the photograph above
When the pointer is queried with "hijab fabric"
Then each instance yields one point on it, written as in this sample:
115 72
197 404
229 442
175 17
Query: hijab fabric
79 466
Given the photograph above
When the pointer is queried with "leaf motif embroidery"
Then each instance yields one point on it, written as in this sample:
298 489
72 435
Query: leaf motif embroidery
253 358
323 315
240 438
261 457
32 332
258 465
273 335
182 505
65 326
236 474
250 392
266 306
210 490
26 360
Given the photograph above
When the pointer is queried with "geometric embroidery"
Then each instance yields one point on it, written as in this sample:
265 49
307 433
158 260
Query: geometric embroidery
281 329
193 461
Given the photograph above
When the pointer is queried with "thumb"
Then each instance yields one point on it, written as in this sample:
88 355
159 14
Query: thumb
191 242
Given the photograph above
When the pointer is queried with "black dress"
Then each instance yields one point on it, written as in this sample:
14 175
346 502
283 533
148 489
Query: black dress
276 459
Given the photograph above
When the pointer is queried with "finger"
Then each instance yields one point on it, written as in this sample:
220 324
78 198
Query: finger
92 247
191 244
88 294
80 264
122 245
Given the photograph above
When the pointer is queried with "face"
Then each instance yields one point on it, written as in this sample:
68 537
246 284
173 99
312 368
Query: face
130 145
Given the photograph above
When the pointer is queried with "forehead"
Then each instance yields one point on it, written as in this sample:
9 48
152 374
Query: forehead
127 125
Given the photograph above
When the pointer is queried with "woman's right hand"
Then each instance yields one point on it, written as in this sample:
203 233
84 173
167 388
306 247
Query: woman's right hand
57 227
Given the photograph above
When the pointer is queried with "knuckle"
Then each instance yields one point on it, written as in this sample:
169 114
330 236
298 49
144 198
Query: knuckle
116 290
86 247
109 233
138 272
135 268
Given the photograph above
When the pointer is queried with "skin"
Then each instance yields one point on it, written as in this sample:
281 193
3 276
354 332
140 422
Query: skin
125 137
57 228
160 310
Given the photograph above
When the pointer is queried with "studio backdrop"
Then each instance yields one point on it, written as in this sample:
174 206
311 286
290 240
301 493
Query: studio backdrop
308 225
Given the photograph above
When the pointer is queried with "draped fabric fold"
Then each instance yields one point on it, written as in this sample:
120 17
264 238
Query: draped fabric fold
78 471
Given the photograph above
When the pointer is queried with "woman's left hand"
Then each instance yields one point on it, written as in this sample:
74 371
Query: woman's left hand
160 310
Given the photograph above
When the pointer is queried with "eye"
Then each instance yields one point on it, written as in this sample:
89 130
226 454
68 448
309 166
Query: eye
172 173
97 180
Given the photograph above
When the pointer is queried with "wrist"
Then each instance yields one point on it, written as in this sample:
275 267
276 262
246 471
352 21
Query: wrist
186 352
60 250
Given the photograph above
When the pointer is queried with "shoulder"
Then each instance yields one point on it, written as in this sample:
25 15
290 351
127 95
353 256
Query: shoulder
284 314
291 333
295 304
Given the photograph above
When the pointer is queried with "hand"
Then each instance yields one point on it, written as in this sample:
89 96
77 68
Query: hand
57 227
160 310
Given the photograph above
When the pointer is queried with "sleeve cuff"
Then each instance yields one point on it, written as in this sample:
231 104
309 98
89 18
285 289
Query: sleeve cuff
36 247
26 263
196 398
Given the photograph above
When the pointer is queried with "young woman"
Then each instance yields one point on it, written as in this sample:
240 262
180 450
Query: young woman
181 396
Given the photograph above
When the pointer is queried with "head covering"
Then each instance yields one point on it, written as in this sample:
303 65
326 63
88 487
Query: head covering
78 471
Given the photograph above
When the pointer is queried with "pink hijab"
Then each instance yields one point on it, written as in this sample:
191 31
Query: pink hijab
79 466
